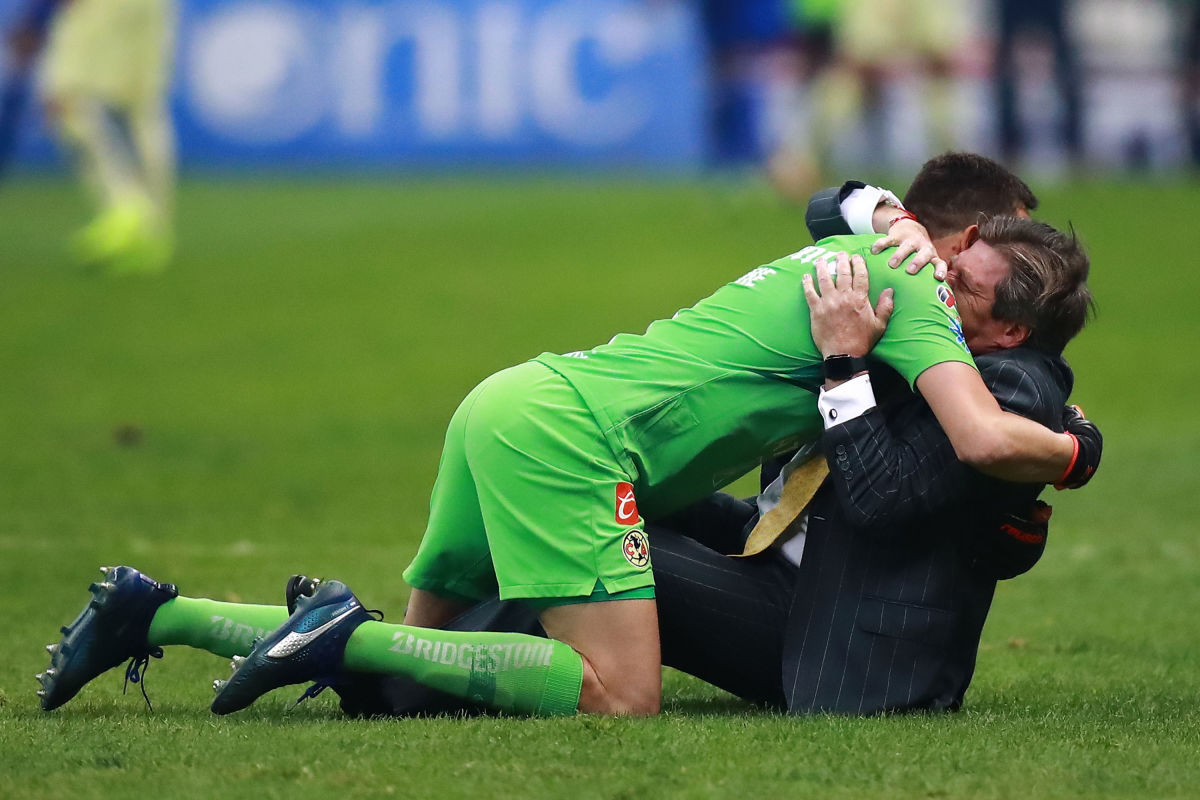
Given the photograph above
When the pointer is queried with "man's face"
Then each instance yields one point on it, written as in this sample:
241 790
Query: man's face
973 275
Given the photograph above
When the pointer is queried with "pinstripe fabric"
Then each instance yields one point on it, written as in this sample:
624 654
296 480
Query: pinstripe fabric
890 599
824 213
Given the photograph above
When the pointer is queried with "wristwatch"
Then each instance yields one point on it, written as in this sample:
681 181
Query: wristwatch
843 367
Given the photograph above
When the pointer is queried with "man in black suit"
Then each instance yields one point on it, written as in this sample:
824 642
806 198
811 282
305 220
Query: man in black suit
901 552
877 598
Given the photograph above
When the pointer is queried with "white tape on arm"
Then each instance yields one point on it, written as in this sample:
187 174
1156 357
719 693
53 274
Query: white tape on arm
859 207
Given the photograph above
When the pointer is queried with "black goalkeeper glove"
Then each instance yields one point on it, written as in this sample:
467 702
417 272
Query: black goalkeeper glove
1089 445
1014 545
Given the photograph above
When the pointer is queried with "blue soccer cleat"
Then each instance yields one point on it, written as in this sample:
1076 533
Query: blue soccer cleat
308 647
299 586
111 628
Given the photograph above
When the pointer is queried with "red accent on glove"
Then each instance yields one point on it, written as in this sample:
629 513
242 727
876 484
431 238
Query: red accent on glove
1060 484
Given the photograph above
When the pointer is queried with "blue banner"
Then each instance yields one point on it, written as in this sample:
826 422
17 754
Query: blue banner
434 83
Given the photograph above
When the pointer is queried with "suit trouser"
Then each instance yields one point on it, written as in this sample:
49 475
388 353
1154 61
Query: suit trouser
721 619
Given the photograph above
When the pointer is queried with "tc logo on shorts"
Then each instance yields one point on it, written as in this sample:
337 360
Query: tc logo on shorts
945 296
636 549
627 513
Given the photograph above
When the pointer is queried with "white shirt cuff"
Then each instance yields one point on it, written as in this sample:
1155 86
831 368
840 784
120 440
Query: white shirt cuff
846 401
858 208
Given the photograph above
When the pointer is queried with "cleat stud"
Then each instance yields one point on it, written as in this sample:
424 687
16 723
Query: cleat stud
51 672
41 693
52 648
41 677
106 586
64 630
218 685
105 570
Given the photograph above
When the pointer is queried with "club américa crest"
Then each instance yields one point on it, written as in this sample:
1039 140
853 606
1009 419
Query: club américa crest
636 549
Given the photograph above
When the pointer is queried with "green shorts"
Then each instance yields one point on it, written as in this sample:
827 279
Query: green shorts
530 500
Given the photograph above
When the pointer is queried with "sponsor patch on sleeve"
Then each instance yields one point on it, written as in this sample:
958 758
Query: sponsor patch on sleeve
945 296
956 328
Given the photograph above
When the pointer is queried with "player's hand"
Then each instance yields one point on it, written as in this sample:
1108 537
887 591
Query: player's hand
910 237
1014 545
840 313
1089 446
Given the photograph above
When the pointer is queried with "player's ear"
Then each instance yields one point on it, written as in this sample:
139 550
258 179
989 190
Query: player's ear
955 243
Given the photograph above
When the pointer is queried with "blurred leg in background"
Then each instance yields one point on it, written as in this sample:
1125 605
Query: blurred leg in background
24 43
743 38
107 72
1019 20
855 53
795 167
1191 83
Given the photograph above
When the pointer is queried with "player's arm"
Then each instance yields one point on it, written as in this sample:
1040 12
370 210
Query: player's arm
988 438
890 468
859 208
983 435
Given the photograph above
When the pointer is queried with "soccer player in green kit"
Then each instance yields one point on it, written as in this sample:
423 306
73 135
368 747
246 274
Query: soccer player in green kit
546 464
549 465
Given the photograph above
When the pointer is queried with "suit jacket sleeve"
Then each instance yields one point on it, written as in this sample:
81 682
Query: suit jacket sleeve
824 214
889 468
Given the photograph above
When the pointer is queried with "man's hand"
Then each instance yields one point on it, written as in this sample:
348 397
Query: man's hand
841 316
1014 545
1089 446
910 237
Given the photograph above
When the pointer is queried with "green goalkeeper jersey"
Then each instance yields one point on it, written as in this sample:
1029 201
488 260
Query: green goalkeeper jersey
701 398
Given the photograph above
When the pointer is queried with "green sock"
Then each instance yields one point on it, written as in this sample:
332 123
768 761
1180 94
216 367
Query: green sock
224 629
509 671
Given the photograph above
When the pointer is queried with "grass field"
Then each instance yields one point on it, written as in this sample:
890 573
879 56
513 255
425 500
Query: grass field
275 403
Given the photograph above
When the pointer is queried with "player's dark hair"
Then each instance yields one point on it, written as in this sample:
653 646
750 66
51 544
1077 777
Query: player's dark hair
955 190
1046 288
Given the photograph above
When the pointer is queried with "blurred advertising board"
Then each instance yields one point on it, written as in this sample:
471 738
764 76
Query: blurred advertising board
433 83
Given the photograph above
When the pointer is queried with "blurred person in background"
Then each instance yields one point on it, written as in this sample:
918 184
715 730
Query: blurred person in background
1190 69
793 166
742 37
104 83
24 43
1022 24
871 45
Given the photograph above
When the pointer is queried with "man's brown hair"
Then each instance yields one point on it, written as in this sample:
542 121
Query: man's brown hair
955 190
1046 288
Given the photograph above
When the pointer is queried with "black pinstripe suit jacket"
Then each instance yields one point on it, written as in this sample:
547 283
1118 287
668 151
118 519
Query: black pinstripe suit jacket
896 582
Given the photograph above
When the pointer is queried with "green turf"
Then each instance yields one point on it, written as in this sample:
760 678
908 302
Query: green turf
275 403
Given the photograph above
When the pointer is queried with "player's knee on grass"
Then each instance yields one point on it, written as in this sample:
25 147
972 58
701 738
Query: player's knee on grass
429 610
622 662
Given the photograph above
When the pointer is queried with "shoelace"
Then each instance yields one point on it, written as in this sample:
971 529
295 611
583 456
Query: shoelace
324 682
312 691
135 672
